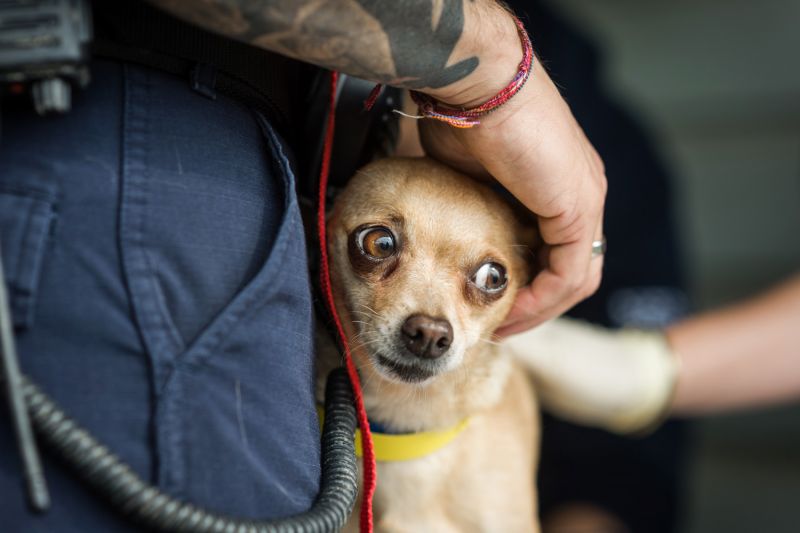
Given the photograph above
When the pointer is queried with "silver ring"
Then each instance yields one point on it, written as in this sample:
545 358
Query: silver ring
599 247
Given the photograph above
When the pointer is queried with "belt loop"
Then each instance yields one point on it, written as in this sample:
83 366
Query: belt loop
203 79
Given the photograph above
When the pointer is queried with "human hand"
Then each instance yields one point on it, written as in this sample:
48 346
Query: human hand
534 147
620 380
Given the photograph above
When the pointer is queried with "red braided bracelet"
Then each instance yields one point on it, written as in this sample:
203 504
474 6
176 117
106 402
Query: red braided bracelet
429 107
466 118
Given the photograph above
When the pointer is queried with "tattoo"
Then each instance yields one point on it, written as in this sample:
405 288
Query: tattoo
422 45
406 43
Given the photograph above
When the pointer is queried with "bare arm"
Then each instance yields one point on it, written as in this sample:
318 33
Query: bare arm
462 53
742 356
447 48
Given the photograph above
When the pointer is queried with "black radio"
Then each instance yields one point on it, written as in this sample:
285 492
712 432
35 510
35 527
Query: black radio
44 48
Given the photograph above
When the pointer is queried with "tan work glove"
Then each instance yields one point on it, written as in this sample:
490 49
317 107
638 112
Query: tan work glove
620 380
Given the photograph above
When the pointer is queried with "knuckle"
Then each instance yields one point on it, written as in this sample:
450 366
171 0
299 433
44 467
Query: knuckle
593 283
574 286
603 184
572 226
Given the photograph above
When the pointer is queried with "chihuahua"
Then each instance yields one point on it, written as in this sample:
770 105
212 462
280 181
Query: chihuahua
425 264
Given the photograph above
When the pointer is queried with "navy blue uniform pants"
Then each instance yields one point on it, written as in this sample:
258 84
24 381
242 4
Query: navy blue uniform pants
156 261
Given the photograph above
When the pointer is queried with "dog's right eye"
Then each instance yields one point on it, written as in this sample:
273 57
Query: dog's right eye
490 278
376 242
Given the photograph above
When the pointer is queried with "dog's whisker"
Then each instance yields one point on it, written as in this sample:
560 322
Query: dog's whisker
490 340
368 380
367 343
360 343
364 330
416 393
359 336
368 308
527 249
365 313
409 395
372 380
365 335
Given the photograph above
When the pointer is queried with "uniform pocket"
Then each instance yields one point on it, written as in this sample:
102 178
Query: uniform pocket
214 258
26 218
238 408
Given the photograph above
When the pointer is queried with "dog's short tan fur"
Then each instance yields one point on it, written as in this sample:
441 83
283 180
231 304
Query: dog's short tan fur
446 226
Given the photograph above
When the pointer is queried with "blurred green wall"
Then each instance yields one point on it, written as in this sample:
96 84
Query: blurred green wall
718 82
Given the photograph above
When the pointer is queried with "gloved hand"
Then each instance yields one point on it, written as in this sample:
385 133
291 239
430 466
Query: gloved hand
620 380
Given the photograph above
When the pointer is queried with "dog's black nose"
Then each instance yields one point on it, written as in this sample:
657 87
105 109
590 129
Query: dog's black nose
427 337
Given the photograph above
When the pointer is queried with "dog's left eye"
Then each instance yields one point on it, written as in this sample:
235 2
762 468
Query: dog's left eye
490 277
376 242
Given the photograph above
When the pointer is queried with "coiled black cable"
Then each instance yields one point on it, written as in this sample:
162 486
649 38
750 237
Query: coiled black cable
111 477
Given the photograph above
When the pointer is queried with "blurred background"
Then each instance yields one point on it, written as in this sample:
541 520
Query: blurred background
717 84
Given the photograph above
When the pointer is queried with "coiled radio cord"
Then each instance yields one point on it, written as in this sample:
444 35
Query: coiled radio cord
154 510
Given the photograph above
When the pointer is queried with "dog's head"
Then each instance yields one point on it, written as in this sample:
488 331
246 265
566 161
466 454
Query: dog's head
426 263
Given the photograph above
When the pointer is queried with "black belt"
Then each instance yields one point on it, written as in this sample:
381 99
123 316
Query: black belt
133 31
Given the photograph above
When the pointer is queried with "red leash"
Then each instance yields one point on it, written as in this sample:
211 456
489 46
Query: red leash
370 472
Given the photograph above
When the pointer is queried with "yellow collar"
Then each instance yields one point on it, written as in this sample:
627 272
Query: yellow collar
406 446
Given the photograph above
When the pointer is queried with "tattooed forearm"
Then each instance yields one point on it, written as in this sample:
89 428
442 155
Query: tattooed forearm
440 22
406 43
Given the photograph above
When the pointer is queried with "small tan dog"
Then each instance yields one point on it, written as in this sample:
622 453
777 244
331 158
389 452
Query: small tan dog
425 265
